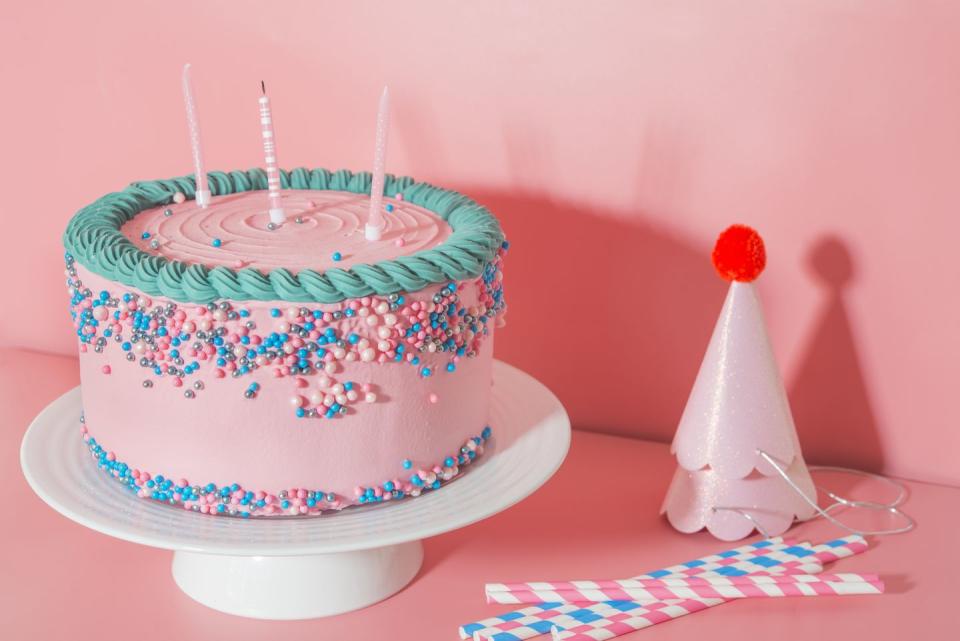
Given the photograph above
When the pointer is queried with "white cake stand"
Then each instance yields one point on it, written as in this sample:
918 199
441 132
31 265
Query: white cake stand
300 568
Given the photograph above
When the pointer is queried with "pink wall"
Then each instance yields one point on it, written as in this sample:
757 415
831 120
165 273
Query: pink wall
636 131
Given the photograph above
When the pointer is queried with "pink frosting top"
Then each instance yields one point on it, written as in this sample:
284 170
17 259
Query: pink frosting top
331 222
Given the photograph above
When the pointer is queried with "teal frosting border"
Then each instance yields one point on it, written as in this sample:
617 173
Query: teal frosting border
93 237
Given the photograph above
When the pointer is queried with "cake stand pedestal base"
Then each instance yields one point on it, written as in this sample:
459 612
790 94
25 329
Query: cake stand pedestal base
299 568
297 587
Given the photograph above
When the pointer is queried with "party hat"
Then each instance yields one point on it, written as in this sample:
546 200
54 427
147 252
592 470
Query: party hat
736 439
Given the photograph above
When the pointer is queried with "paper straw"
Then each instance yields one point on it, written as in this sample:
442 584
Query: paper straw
537 620
652 590
622 623
597 624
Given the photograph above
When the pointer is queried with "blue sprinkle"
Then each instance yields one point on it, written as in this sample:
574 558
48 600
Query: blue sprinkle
407 464
145 235
389 207
274 312
216 242
451 367
336 256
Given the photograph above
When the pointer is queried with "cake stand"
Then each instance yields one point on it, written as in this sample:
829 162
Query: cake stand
299 568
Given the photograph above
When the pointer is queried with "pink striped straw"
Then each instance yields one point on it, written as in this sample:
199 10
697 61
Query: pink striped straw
652 590
534 621
277 213
612 625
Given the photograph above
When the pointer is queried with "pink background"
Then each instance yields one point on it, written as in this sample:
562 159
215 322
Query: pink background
635 131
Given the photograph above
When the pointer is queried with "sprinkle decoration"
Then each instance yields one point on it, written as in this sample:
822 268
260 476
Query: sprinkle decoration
235 500
609 619
431 334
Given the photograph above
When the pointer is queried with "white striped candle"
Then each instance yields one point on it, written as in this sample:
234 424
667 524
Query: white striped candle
375 220
277 213
193 125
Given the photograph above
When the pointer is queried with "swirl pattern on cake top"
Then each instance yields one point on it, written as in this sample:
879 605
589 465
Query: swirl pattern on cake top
324 229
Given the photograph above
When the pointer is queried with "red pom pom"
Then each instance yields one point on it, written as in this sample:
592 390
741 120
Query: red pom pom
739 254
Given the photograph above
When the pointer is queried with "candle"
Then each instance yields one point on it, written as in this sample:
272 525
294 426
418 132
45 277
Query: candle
375 221
202 190
277 215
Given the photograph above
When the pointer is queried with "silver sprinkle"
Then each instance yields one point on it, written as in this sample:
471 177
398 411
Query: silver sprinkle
148 384
298 220
198 385
168 212
271 226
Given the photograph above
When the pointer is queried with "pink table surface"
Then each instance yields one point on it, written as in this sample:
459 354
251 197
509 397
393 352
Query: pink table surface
60 580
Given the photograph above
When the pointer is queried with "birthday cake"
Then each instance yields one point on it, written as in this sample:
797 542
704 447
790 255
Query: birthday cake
237 366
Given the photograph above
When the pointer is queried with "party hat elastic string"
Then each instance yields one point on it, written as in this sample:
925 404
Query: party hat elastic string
838 501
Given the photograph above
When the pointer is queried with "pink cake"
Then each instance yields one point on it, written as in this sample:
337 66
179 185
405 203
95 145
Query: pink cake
236 367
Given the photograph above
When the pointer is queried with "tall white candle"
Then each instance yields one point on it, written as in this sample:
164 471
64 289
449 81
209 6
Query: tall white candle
277 214
375 221
193 124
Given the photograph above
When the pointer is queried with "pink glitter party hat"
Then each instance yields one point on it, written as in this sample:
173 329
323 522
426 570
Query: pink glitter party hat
736 414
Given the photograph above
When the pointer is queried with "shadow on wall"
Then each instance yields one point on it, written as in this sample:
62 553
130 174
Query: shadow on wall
614 316
609 313
830 400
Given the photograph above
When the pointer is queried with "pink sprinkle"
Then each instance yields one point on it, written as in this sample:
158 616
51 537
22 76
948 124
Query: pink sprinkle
177 381
399 242
178 197
434 398
219 373
105 369
399 196
301 382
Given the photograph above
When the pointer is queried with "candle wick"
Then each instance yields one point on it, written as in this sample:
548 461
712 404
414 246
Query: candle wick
263 87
